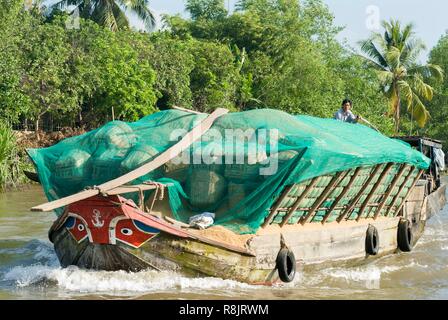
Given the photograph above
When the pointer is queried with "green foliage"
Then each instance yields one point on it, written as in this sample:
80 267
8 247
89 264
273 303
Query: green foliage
13 24
173 62
206 9
45 71
9 162
438 107
280 54
110 14
393 56
213 84
126 80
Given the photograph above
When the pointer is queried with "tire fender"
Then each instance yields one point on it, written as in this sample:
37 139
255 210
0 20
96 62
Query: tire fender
405 237
372 241
286 265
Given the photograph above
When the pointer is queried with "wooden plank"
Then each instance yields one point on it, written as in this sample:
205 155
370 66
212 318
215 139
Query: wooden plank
403 185
389 191
186 110
299 199
133 188
380 180
275 208
160 160
342 195
323 196
358 196
409 192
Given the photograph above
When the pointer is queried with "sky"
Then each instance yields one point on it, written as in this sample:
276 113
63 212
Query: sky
361 17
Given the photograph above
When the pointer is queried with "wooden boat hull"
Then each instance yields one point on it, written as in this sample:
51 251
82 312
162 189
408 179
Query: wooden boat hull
313 245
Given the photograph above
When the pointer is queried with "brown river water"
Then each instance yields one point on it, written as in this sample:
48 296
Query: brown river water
29 269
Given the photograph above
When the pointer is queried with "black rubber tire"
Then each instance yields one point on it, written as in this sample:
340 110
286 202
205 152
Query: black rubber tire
372 241
405 236
286 265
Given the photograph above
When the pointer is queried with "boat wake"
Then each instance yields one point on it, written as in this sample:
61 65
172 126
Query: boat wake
42 270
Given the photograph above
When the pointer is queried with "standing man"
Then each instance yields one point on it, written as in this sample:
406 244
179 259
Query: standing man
344 114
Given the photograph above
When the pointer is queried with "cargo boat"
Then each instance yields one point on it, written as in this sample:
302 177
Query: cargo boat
353 211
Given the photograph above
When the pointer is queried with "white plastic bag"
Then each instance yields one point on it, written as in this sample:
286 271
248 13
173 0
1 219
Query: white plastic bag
202 221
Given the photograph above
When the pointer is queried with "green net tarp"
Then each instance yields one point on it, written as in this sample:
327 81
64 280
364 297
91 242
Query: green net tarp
236 170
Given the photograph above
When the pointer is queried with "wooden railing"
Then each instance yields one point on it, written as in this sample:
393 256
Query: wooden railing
360 193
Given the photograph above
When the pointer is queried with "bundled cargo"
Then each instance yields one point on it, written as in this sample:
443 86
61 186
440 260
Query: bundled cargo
71 166
205 188
302 147
105 165
137 156
115 134
176 171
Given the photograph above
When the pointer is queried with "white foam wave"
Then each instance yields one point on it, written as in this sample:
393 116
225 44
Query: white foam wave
46 252
88 281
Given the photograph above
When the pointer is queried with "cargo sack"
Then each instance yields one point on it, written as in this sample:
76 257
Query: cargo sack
176 171
104 166
71 166
115 134
238 192
205 188
138 156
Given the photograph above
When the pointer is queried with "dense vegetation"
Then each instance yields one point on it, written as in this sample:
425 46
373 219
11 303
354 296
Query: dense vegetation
279 54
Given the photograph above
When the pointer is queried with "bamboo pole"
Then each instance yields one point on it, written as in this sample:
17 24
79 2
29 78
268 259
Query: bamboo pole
275 208
161 159
358 196
324 195
299 199
133 188
403 185
389 191
186 110
343 193
380 180
409 192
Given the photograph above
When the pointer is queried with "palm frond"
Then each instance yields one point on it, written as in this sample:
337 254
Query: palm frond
104 15
411 51
64 4
423 89
427 71
369 48
141 9
393 56
406 92
120 17
419 112
385 77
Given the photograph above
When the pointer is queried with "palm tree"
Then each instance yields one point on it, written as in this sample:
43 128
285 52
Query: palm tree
394 57
110 13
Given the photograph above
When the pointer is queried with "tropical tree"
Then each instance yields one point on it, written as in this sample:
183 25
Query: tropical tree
394 57
438 107
206 9
109 13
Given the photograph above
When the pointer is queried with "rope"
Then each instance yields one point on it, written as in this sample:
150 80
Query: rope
159 196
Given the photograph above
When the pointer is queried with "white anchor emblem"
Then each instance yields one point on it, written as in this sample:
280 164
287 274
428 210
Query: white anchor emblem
96 221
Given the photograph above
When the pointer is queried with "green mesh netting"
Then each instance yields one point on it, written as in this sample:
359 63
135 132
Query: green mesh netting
230 171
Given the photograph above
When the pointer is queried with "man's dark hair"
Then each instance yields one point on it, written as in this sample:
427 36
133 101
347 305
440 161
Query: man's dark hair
347 100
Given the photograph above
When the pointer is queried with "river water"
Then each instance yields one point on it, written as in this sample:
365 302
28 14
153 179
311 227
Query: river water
29 269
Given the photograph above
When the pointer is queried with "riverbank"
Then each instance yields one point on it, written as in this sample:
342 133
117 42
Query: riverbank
13 157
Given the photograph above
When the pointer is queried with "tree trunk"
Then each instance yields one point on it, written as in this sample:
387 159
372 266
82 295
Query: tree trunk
36 128
397 110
